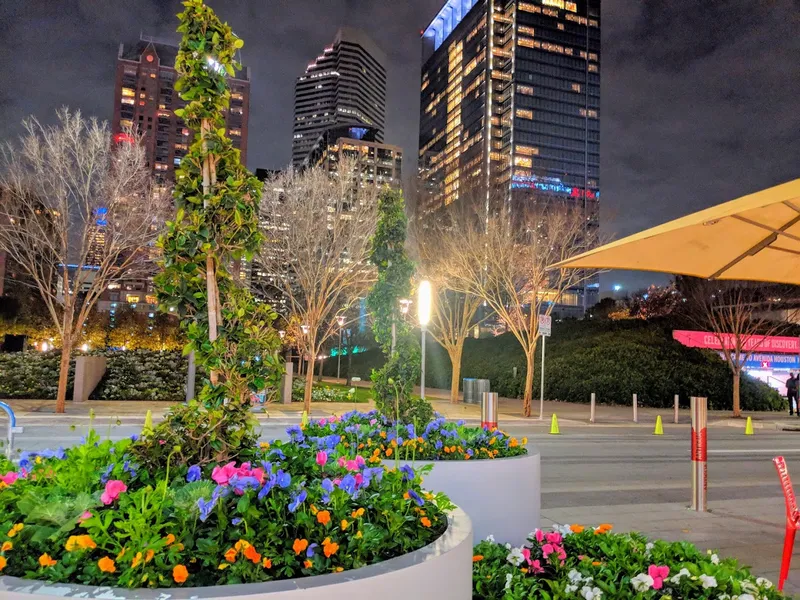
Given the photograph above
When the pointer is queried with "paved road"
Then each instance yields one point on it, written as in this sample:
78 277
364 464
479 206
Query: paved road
583 466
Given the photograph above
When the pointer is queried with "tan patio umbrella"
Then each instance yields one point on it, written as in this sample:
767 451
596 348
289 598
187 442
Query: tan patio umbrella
756 237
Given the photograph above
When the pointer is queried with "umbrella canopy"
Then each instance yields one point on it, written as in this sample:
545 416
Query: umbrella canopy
756 237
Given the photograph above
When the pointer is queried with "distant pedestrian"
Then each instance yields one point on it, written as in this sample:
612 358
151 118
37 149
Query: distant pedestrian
791 394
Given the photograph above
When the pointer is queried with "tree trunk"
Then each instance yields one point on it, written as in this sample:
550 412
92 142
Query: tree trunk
349 362
455 361
527 396
737 410
309 387
63 374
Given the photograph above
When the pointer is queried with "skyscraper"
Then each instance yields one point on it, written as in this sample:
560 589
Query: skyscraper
510 98
144 97
345 85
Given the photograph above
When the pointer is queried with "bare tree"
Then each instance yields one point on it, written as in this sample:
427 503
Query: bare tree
454 312
740 314
78 213
503 260
318 228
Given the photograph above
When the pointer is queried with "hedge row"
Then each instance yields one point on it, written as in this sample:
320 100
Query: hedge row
613 359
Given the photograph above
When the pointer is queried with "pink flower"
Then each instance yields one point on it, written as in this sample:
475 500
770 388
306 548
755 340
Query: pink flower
342 461
536 567
86 515
547 550
113 489
359 480
539 536
337 481
554 538
658 574
352 465
322 458
526 554
373 421
360 461
222 475
162 442
9 477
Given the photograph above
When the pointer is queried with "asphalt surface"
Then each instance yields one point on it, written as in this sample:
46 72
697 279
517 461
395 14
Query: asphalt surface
584 466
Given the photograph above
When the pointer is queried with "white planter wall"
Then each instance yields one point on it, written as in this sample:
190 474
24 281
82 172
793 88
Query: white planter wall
501 496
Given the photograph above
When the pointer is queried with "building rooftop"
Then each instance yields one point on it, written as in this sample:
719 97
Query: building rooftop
167 52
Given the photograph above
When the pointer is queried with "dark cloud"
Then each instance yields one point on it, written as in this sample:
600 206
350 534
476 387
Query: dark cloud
700 101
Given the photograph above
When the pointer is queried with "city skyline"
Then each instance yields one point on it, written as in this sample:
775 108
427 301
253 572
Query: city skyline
696 110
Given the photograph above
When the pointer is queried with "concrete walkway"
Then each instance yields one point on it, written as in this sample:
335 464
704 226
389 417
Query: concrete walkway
750 530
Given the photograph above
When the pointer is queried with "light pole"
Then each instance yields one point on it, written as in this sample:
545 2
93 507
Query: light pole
424 313
340 322
304 329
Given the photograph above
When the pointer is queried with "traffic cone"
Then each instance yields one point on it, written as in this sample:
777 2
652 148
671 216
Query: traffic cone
554 425
148 422
659 427
748 429
304 419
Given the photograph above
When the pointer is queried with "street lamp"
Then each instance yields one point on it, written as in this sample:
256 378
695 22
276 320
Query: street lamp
321 357
340 322
281 334
85 348
305 329
424 314
45 346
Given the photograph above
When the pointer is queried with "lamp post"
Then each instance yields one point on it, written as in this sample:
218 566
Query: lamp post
304 329
340 322
424 313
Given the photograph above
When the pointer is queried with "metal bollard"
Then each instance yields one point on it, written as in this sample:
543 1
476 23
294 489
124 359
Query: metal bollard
699 454
591 409
489 405
12 428
635 409
677 406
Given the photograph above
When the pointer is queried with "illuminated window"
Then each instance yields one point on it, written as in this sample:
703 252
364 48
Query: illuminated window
576 87
527 30
523 161
161 167
527 42
131 299
593 68
529 7
128 92
527 150
236 132
524 113
130 101
126 123
142 95
237 96
151 300
525 89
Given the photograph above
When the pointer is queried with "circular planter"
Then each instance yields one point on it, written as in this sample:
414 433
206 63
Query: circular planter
442 569
502 496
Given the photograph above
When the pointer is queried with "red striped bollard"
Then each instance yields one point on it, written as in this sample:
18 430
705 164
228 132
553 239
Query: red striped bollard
699 454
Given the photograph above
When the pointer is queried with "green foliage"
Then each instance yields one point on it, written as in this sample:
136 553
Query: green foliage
32 375
223 524
216 225
599 564
327 393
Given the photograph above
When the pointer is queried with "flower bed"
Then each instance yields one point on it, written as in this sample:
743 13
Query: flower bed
90 515
324 393
375 437
593 563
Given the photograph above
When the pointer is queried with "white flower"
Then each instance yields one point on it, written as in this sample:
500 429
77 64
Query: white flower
763 582
749 587
708 581
508 546
649 546
515 557
591 593
642 582
574 576
571 588
490 538
509 577
745 597
714 559
564 530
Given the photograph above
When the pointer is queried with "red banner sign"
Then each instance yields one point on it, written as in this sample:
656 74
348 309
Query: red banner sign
700 445
757 343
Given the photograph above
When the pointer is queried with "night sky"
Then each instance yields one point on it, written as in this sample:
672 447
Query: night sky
700 100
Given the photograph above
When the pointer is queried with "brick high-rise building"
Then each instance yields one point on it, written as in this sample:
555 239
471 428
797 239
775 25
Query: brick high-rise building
144 97
345 85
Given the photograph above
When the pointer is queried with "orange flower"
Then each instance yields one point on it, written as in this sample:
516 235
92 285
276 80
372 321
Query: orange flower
223 566
121 553
603 528
169 540
339 569
46 561
106 565
251 554
388 452
300 546
576 528
492 441
266 563
149 555
344 524
426 522
241 545
382 434
324 517
359 535
513 443
3 562
179 573
15 530
136 560
230 555
329 547
477 558
596 563
6 546
179 547
308 564
524 441
357 513
447 450
80 542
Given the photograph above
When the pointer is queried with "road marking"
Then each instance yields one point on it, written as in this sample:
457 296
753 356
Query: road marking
756 451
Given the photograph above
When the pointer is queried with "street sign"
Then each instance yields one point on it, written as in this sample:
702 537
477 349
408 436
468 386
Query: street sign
545 325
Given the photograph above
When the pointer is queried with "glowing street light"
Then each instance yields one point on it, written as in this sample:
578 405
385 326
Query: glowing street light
340 322
424 300
404 304
85 348
45 346
305 329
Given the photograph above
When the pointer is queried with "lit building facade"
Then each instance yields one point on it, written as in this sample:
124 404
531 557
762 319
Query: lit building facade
379 164
510 106
345 85
144 98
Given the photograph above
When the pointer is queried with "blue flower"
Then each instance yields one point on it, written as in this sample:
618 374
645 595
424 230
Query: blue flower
327 485
267 466
461 423
310 550
278 453
206 506
134 437
331 441
242 484
283 479
399 441
107 475
112 450
236 521
297 500
296 433
348 484
129 469
270 483
438 445
470 452
415 497
408 473
61 454
369 474
47 453
194 473
410 429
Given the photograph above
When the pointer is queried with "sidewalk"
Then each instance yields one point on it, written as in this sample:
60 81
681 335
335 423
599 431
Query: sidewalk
750 530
